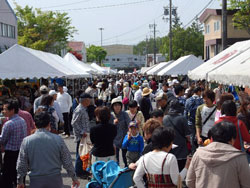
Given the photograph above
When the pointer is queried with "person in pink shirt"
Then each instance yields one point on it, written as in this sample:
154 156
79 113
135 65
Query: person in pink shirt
29 121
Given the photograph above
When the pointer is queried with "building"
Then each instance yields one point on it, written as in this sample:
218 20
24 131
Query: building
150 59
124 61
212 20
8 26
118 49
79 47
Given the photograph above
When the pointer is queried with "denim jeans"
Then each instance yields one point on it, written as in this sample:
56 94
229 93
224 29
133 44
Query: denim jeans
78 164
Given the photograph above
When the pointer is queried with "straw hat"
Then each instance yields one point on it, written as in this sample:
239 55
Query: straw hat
125 84
146 91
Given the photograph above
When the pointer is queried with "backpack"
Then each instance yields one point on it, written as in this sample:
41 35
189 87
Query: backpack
194 103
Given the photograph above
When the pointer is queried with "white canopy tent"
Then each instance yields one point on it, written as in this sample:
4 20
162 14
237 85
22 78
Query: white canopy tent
235 72
158 68
225 56
20 62
148 69
82 66
110 71
181 66
99 68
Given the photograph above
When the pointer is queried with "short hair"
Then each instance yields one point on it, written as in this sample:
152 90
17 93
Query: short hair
223 132
224 97
151 125
12 104
132 104
103 113
165 84
156 113
209 94
162 137
78 93
229 108
42 119
44 92
178 89
47 100
197 89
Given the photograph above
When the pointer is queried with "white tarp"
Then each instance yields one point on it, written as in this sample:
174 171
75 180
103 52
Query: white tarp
223 57
148 69
99 68
110 71
21 62
235 72
181 66
158 68
82 66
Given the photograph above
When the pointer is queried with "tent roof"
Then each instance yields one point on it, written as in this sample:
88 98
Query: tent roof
181 66
148 69
202 71
235 72
99 68
82 66
21 62
158 68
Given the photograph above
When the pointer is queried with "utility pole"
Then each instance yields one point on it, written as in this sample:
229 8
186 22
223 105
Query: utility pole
154 26
170 31
146 51
101 29
224 24
171 11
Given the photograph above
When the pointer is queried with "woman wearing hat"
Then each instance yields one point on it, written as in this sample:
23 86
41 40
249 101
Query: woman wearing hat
121 120
145 104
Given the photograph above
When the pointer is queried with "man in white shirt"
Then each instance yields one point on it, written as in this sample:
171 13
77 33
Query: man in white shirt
65 102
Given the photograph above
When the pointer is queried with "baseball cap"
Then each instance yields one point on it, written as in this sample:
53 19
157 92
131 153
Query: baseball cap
133 124
161 96
85 96
52 92
44 88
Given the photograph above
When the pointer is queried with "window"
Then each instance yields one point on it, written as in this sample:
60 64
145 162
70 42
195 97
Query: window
106 59
1 29
113 59
5 30
217 26
207 29
118 59
135 59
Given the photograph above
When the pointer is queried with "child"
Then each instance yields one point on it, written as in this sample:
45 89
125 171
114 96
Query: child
133 142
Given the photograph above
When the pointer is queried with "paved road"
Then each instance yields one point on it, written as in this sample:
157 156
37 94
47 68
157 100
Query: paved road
67 180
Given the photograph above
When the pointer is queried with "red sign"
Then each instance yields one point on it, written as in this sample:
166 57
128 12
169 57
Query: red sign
225 57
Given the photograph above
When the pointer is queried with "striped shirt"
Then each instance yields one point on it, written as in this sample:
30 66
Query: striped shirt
13 132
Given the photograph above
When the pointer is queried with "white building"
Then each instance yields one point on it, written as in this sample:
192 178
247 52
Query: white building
124 61
8 26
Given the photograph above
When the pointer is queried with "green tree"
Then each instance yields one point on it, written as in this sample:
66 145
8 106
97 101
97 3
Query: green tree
96 53
185 41
144 47
43 30
241 18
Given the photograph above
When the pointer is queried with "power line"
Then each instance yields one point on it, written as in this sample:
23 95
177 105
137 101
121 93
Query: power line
68 4
130 31
198 13
108 6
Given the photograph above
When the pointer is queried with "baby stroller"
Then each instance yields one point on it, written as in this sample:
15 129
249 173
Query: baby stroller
110 175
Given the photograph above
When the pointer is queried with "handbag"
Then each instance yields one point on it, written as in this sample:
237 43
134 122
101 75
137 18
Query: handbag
125 100
242 144
84 151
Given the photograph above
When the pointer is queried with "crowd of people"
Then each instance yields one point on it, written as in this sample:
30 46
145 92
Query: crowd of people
167 131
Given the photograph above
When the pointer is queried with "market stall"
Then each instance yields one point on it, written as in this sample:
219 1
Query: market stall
181 66
158 68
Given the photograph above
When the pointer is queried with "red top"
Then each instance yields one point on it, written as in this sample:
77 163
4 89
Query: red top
153 85
243 129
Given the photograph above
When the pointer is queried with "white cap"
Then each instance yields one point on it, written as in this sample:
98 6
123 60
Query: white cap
52 92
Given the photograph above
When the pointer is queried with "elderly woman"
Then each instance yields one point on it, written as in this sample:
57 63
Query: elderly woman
102 136
135 115
121 120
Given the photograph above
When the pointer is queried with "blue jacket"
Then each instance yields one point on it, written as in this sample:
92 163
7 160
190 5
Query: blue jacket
135 144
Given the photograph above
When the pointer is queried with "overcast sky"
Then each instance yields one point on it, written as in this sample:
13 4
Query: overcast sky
124 21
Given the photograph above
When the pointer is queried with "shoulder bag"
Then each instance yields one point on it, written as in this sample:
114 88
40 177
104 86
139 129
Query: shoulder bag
242 143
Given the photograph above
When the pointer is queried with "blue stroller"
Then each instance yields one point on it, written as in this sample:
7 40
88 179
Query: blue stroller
110 175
